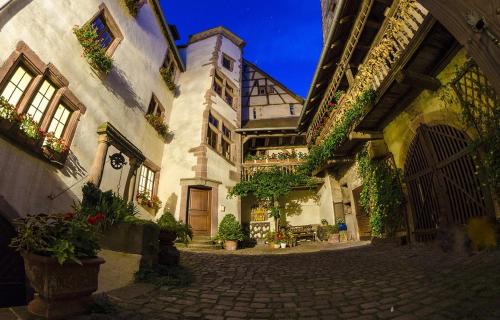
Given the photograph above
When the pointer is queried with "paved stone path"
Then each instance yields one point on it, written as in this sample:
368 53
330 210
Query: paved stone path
360 283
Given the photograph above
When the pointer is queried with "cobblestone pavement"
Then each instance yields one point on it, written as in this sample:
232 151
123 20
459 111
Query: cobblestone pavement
365 282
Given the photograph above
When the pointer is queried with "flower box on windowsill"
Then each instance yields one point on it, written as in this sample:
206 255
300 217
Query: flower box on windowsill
12 131
167 76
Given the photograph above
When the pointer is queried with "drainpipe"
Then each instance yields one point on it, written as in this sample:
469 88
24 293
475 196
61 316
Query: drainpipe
4 3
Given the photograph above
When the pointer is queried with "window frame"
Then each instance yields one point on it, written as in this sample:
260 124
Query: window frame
228 89
230 60
155 169
24 57
158 106
292 109
169 63
111 25
220 131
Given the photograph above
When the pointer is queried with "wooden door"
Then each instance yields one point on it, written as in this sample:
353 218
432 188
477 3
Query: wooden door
443 184
199 211
12 278
362 216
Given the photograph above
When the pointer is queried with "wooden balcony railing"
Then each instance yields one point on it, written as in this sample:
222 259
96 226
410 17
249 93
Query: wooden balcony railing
399 29
249 168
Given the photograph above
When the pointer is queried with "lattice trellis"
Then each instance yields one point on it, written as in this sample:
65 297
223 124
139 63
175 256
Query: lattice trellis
476 95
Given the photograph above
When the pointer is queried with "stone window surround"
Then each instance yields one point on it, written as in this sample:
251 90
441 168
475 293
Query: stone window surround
218 130
228 58
170 63
225 83
24 56
158 104
112 25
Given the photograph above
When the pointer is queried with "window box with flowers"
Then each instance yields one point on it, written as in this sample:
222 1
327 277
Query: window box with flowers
93 50
145 200
157 121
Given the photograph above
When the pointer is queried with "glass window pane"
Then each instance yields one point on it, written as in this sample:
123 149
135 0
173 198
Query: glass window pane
16 86
41 101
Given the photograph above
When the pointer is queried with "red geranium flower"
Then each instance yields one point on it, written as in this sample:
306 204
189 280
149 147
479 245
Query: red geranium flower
69 216
91 220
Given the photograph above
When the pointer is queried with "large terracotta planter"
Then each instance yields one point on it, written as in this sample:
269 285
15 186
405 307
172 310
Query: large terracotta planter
231 245
62 290
334 238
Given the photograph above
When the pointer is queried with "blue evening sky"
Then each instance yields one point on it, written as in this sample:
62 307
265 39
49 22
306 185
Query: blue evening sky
283 36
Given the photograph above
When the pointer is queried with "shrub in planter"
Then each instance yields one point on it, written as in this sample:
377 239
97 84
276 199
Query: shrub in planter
61 263
230 232
7 111
159 125
92 49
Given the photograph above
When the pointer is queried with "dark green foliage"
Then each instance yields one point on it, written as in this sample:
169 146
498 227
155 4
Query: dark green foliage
133 6
230 228
171 276
112 206
92 49
381 196
321 153
168 223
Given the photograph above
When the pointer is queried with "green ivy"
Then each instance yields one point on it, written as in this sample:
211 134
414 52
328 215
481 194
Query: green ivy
92 49
319 154
381 194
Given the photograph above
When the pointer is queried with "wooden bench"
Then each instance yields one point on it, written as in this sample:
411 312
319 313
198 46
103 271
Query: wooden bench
304 232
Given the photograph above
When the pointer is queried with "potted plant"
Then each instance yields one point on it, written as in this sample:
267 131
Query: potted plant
230 232
168 229
341 224
60 259
270 236
333 234
8 115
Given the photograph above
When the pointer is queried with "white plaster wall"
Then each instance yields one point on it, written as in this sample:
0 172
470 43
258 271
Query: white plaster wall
121 98
234 52
186 121
326 202
274 111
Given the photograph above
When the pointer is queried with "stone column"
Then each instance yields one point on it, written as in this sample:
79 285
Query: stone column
97 168
128 192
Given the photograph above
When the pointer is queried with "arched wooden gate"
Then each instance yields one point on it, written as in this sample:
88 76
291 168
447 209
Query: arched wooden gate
443 185
12 278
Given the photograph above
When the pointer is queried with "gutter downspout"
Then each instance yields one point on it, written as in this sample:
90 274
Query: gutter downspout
4 3
336 18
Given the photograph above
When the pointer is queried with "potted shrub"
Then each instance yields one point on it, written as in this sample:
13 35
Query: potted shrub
60 259
168 229
8 115
230 232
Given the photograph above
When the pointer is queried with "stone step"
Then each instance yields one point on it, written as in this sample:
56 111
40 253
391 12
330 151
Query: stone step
198 245
202 238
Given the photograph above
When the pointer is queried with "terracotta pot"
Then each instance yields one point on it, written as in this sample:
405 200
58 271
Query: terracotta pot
334 238
231 245
63 290
276 245
167 238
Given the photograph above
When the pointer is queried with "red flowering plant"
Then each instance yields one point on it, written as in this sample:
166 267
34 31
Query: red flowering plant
67 237
280 237
55 144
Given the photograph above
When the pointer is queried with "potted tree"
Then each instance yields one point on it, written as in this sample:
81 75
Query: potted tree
230 232
60 259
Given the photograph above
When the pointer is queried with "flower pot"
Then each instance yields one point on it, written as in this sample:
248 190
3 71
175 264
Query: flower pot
167 238
334 238
231 245
342 227
5 125
63 290
283 245
276 245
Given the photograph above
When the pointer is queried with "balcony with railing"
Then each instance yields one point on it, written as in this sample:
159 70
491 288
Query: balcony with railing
287 162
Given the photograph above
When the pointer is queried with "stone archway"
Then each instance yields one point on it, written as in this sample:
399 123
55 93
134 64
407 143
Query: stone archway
442 181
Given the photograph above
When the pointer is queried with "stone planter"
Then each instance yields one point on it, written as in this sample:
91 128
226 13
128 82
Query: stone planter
63 290
167 238
334 238
168 254
231 245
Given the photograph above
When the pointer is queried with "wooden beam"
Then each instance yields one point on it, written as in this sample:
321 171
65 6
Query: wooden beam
366 135
418 80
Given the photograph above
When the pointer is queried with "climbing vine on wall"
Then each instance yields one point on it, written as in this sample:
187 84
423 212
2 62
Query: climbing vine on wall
319 154
381 195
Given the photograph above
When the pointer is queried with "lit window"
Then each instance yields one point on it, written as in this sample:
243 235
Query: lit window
292 109
226 149
104 34
58 122
146 181
16 86
41 101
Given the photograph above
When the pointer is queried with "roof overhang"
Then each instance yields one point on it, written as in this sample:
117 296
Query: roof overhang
240 43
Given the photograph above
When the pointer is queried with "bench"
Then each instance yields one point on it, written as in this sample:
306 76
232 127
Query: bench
304 232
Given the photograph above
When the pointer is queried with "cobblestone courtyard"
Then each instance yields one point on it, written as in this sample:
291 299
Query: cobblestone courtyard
364 282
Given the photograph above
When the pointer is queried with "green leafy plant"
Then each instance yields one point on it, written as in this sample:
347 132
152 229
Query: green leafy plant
230 229
319 154
7 111
159 125
381 195
168 76
168 223
55 144
66 237
30 128
112 206
93 50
